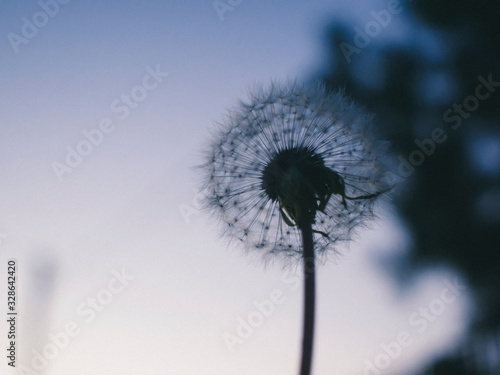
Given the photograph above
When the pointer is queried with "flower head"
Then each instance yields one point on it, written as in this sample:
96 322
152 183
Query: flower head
293 155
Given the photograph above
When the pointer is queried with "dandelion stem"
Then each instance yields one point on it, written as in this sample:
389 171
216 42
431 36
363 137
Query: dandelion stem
309 297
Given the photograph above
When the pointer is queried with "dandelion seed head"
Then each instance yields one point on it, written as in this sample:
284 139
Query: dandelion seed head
293 153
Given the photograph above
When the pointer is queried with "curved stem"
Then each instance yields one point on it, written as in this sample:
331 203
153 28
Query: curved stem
309 297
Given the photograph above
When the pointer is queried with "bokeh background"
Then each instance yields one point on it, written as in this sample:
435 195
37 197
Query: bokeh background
427 271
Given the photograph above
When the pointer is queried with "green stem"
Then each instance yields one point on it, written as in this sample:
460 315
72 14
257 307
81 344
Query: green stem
309 297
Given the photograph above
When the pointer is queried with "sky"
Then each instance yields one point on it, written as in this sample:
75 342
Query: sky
105 108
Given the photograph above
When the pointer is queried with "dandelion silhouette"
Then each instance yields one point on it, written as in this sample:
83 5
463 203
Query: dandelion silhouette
292 173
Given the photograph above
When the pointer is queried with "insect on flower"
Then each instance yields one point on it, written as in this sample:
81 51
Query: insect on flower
293 154
281 180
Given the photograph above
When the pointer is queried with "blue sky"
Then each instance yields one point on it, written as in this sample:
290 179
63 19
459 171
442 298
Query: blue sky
122 208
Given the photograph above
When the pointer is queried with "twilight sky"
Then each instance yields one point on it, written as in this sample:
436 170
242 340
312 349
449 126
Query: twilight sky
105 108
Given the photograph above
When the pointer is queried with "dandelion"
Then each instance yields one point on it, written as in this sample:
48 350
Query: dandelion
292 173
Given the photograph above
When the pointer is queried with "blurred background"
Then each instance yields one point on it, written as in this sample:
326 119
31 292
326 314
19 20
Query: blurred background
106 107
